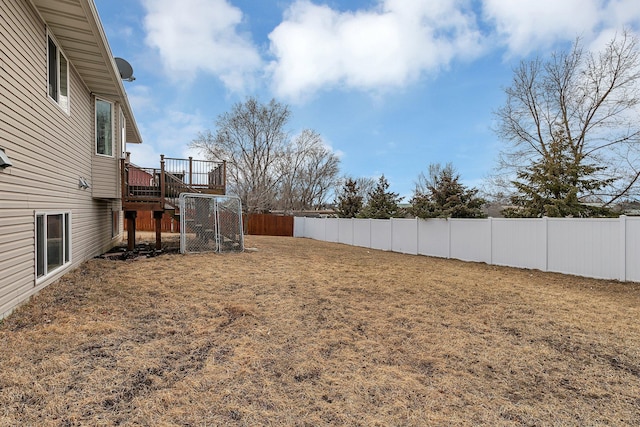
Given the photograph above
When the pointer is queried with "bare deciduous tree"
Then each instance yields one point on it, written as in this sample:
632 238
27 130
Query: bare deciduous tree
265 168
593 99
252 139
309 171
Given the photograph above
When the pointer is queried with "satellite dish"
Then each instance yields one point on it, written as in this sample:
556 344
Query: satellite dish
126 71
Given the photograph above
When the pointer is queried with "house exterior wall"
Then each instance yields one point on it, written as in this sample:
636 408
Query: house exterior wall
105 171
50 150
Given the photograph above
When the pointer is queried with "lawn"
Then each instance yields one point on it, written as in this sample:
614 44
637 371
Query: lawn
308 333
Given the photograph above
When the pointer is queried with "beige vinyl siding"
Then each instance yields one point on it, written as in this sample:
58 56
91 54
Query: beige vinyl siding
16 261
106 169
50 151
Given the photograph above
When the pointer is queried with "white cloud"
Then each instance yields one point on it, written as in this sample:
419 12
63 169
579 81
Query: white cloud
528 25
176 130
620 13
141 98
201 35
168 133
389 46
144 155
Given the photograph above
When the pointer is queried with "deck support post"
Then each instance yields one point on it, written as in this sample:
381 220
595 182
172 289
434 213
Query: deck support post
157 215
163 182
131 229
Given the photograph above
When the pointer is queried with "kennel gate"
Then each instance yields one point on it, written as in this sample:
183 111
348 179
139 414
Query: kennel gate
210 223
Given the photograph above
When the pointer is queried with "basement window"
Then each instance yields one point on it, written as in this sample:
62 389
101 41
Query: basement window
53 242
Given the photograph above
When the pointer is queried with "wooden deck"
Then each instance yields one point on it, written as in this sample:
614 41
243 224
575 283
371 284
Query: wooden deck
159 189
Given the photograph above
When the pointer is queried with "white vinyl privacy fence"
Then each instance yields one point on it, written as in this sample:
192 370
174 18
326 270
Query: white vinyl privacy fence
607 248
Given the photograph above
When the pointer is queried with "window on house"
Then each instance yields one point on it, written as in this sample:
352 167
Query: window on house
123 134
53 242
104 128
58 75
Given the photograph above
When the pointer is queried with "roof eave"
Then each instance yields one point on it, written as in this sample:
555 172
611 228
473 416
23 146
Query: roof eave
84 42
133 134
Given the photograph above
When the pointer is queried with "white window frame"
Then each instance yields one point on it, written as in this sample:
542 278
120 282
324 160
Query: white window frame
112 127
41 244
60 83
123 134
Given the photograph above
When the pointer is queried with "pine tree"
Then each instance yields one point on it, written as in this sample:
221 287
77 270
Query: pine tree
382 204
593 98
550 186
443 196
349 202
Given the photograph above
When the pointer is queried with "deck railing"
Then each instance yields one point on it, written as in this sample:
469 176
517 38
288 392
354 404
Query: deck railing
160 188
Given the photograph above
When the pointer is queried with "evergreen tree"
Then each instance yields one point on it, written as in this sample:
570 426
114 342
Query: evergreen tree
550 186
594 98
441 195
349 202
382 204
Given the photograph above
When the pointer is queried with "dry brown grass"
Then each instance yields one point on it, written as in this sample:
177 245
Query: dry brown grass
311 333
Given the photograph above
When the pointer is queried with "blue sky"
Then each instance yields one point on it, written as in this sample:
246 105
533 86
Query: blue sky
391 85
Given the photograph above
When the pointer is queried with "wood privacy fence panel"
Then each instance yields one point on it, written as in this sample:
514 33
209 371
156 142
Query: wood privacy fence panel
145 222
268 225
607 248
